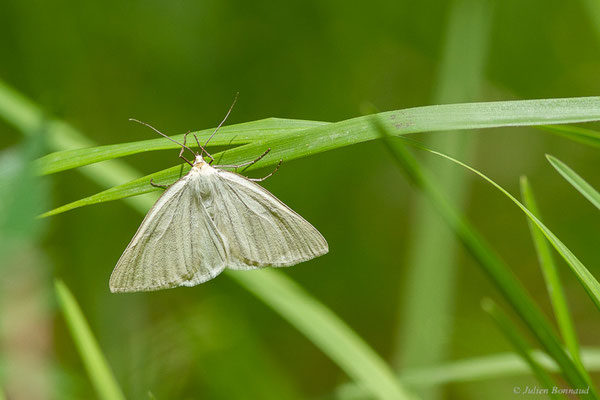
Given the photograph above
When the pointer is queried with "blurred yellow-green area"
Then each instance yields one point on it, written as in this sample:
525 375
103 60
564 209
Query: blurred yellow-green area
177 65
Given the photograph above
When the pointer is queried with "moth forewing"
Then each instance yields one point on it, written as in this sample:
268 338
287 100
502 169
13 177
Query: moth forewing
260 230
177 244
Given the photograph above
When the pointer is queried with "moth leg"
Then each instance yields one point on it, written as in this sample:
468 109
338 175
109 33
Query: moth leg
268 176
158 185
183 148
246 164
212 160
257 159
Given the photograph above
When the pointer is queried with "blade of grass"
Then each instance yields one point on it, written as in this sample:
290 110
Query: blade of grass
325 330
97 368
577 181
578 134
228 136
424 341
588 281
551 276
328 137
522 347
491 263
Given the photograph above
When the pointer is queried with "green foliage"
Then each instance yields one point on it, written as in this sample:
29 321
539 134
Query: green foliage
577 181
325 330
97 368
511 331
487 259
551 275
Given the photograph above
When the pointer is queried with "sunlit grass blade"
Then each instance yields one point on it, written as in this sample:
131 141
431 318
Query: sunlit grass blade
328 137
522 347
97 368
585 136
551 276
325 330
232 135
320 136
488 260
577 181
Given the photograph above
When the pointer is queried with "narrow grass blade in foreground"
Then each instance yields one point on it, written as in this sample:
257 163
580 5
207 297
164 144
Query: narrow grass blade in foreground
577 181
325 330
585 136
551 276
588 281
511 332
97 368
491 263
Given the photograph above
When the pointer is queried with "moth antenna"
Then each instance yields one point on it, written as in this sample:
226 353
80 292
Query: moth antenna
224 119
162 134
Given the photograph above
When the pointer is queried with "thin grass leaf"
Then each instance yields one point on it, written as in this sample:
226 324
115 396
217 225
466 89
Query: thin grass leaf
335 135
232 135
578 134
577 181
491 263
325 330
551 276
522 347
588 281
97 368
321 136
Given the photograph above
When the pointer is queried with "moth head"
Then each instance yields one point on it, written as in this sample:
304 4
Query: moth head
199 160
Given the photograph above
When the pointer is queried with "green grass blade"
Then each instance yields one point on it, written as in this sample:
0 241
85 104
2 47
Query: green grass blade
228 136
321 136
577 181
584 276
578 134
424 341
491 263
97 368
523 349
551 276
328 137
325 330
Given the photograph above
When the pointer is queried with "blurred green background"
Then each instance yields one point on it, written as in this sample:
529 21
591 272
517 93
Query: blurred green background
177 65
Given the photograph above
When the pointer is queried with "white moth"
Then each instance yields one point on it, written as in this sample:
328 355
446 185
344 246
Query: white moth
209 220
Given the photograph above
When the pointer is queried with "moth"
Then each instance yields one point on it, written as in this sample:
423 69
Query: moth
209 220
